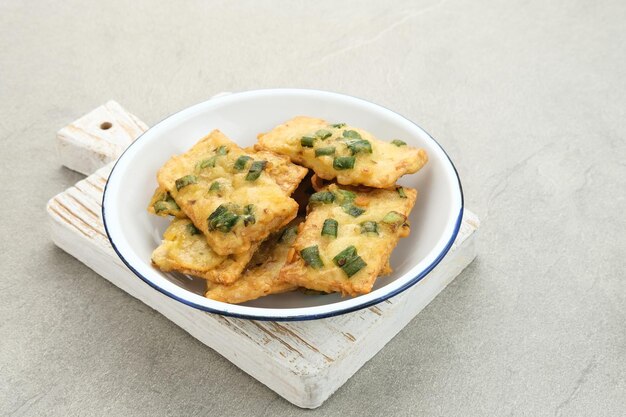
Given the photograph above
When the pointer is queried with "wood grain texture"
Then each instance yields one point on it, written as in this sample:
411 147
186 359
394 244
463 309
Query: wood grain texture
304 362
97 138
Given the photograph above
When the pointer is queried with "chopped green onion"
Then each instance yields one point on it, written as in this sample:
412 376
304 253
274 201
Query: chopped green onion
166 203
354 266
345 255
241 162
322 197
346 196
395 218
215 186
248 215
323 134
185 181
222 150
401 192
192 229
289 234
330 227
352 134
343 162
161 206
311 257
221 209
325 151
225 223
398 142
307 141
369 227
207 163
255 170
338 125
222 219
352 210
361 145
349 261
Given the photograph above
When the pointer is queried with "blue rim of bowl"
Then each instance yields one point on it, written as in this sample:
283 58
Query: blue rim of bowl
333 313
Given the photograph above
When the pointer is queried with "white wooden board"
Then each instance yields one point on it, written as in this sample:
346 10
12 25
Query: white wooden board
304 362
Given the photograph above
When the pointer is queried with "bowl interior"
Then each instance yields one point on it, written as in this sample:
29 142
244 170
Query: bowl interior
135 233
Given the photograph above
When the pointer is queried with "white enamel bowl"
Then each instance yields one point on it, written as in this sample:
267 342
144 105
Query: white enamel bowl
134 233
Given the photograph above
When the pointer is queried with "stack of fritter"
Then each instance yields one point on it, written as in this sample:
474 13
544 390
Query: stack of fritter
235 221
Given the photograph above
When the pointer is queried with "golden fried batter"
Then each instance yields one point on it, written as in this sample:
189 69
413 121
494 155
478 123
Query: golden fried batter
286 174
184 249
351 155
162 204
227 193
261 275
347 238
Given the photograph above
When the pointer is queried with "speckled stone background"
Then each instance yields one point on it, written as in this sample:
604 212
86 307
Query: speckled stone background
529 99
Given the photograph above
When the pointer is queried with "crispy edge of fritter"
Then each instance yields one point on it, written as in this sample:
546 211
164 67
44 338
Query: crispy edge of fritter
261 275
298 273
241 240
276 140
226 272
162 195
287 175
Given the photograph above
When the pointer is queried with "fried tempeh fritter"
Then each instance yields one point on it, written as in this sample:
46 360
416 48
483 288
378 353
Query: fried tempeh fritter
347 238
286 174
261 275
349 154
184 249
227 193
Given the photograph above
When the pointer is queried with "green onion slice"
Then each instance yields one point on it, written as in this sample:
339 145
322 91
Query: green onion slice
323 134
330 227
338 125
353 210
346 196
241 162
359 146
307 141
222 219
354 266
289 234
166 203
324 197
311 256
222 150
352 134
325 151
349 261
215 186
369 227
207 163
185 181
395 218
401 192
192 229
343 162
255 170
160 206
398 142
345 255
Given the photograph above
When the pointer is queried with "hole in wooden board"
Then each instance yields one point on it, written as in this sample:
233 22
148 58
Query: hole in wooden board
106 125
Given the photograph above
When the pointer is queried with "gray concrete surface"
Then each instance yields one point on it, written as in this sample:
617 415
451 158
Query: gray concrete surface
528 97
